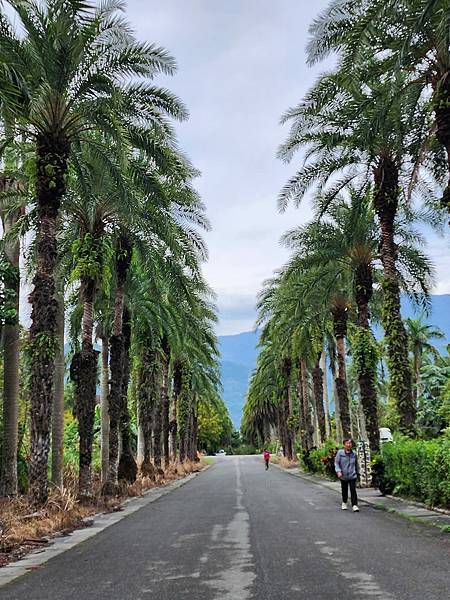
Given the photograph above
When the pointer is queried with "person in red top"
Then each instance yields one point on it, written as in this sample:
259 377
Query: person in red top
266 455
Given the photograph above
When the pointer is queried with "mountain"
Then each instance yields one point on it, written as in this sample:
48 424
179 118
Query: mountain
238 359
239 353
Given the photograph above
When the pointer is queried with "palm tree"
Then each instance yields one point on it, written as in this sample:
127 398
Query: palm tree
364 133
72 69
279 344
419 336
413 38
347 239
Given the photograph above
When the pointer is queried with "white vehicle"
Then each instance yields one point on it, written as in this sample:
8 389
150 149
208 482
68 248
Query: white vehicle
385 435
221 453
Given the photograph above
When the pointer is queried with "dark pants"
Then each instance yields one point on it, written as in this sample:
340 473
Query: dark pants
267 464
344 486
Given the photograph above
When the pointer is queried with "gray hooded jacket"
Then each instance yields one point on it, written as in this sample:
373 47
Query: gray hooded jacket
347 464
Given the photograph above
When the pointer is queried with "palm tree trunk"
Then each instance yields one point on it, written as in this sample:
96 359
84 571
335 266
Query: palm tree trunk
282 432
104 393
116 354
288 408
307 424
58 403
83 372
416 374
323 366
317 377
165 404
400 380
365 355
183 413
340 317
51 162
11 349
127 463
147 392
175 394
341 388
193 431
157 428
157 417
292 426
337 409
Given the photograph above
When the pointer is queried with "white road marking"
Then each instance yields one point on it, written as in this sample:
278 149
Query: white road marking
236 579
360 582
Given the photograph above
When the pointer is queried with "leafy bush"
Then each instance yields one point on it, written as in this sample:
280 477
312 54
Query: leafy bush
417 469
321 460
244 449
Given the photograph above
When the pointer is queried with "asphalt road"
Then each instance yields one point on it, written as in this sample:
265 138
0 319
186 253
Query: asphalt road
237 532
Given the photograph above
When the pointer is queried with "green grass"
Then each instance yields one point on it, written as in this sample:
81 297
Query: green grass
209 460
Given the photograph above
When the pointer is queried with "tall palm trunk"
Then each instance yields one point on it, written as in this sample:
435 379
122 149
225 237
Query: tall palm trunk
11 348
386 203
288 408
83 372
340 317
127 463
416 366
337 408
157 415
58 402
441 103
165 404
149 386
116 353
104 392
317 377
299 389
183 413
307 424
323 366
157 429
51 161
175 394
193 432
282 428
365 356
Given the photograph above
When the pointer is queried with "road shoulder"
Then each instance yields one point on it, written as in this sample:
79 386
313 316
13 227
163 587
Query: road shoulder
98 523
413 511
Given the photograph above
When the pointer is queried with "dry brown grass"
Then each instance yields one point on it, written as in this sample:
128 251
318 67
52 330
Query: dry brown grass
23 528
287 464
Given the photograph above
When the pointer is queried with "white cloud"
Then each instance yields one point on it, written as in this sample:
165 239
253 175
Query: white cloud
241 65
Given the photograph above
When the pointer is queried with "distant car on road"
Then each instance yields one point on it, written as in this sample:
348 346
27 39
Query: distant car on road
221 453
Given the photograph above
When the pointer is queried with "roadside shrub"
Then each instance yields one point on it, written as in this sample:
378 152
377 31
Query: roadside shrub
416 469
321 460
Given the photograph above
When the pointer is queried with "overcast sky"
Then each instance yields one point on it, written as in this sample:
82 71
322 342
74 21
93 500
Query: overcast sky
241 64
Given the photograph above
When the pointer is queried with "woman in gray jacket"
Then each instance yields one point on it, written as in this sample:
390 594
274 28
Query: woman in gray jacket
346 466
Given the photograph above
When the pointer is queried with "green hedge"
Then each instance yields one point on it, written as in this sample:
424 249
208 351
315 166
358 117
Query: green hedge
416 469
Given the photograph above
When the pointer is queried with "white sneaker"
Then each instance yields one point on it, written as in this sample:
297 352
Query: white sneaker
344 506
355 509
